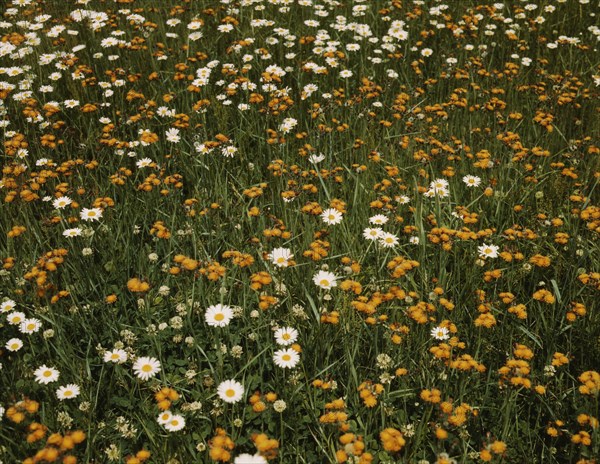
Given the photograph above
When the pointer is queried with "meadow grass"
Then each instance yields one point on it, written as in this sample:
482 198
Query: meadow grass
299 232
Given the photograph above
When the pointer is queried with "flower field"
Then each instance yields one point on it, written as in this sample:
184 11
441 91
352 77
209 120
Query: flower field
299 231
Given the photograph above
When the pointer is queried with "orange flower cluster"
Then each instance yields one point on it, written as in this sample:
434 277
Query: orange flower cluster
57 446
164 398
220 446
136 285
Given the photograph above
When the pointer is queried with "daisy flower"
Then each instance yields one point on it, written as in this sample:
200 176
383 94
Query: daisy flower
325 280
440 333
286 336
471 181
61 202
15 318
116 356
75 232
378 219
280 257
7 306
146 368
92 214
29 326
487 251
164 417
230 391
67 392
372 233
388 240
287 358
250 459
143 162
175 424
218 315
14 344
46 375
316 159
331 216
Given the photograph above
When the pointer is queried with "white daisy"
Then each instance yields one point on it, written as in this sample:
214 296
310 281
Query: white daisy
7 306
487 251
218 315
472 181
325 280
378 219
46 375
92 214
14 344
250 459
280 257
15 318
61 202
116 356
146 368
175 424
75 232
372 233
230 391
29 326
286 336
440 333
287 358
164 417
388 240
331 216
67 392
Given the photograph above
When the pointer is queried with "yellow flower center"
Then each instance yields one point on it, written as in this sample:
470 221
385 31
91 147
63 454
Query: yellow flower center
230 392
324 282
286 336
146 368
219 317
47 374
286 357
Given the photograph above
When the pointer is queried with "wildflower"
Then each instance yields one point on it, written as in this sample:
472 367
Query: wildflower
218 315
75 232
176 423
331 216
287 358
488 251
29 326
250 459
92 214
7 306
286 336
15 318
280 257
388 240
472 181
440 333
143 162
324 279
378 219
14 344
230 391
46 375
173 135
68 392
316 159
146 368
164 417
372 233
116 356
61 202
